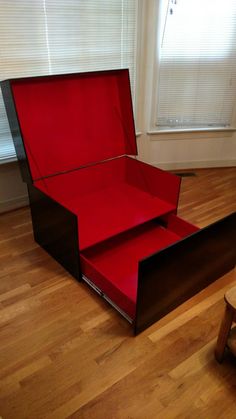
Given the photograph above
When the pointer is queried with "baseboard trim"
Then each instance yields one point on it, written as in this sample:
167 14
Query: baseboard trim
195 164
14 203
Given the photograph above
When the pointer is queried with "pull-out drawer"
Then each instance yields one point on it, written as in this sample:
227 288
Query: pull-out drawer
149 270
112 265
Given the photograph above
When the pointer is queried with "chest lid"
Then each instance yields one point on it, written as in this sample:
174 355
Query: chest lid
72 120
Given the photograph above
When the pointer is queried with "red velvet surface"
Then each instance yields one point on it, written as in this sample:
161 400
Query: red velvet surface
112 197
67 187
113 265
69 121
117 209
153 180
179 226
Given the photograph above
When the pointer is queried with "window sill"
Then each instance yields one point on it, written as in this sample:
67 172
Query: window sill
8 160
193 134
194 130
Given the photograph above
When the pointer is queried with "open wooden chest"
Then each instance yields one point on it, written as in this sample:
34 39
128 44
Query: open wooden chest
108 218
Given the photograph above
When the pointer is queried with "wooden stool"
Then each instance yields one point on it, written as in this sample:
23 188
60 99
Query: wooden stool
226 336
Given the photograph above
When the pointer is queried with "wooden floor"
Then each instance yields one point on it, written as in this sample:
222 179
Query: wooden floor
64 353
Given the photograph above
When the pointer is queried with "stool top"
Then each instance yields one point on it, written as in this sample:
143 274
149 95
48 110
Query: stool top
230 297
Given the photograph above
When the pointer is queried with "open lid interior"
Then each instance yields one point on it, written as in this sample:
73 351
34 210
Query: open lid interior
70 121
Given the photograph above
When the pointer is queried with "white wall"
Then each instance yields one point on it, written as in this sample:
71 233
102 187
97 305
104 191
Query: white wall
13 192
189 150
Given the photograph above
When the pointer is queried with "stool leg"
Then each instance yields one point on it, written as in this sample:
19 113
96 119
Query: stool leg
224 333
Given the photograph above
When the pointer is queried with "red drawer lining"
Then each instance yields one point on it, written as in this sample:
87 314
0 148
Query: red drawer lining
116 260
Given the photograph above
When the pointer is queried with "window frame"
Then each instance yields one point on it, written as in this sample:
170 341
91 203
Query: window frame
154 65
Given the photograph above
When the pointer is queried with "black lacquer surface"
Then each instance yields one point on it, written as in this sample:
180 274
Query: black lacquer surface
171 276
15 131
55 229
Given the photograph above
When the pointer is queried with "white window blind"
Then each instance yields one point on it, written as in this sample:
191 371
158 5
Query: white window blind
197 69
40 37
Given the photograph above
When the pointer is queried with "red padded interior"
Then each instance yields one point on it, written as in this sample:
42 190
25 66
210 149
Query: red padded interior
179 226
113 265
153 180
113 197
69 121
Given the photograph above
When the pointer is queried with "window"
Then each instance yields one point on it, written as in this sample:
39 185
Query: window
61 36
197 64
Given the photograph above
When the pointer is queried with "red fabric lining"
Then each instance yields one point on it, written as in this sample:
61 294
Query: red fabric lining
153 180
117 209
179 226
113 265
110 197
69 121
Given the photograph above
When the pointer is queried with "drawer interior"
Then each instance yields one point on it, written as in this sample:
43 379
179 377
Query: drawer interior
113 264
